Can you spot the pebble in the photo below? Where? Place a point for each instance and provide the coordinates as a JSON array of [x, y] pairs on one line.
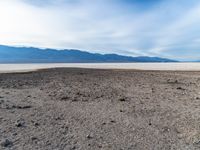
[[1, 101], [20, 123], [123, 99], [180, 88], [64, 98], [121, 110], [36, 124], [34, 138], [113, 121], [7, 143], [24, 107], [89, 136]]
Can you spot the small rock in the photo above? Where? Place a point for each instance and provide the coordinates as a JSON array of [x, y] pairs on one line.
[[113, 121], [73, 148], [123, 99], [100, 146], [75, 99], [103, 123], [1, 101], [171, 81], [166, 129], [64, 98], [23, 107], [89, 136], [34, 138], [20, 123], [14, 134], [196, 141], [180, 88], [58, 118], [36, 124], [7, 143]]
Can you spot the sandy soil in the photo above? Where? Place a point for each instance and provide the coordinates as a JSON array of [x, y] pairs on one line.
[[86, 109]]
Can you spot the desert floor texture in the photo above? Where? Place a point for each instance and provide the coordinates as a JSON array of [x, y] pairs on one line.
[[91, 109]]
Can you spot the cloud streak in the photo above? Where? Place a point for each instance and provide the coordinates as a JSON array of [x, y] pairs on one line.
[[162, 28]]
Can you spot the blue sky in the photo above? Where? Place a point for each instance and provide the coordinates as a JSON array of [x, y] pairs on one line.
[[164, 28]]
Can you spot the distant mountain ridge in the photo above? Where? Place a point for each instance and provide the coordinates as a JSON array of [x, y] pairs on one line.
[[10, 54]]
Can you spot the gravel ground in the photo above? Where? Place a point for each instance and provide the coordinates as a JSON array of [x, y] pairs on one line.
[[89, 109]]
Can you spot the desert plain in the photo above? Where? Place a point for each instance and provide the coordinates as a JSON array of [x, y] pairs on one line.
[[91, 109]]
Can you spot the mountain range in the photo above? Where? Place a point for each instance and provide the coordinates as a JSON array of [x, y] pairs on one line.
[[9, 54]]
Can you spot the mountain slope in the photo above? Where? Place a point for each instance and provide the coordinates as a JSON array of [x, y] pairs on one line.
[[10, 54]]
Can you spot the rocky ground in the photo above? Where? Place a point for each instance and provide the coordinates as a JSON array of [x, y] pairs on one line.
[[87, 109]]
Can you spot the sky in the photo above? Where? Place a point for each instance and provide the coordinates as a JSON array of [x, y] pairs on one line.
[[163, 28]]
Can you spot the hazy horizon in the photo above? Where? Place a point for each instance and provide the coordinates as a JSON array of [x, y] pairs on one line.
[[10, 68]]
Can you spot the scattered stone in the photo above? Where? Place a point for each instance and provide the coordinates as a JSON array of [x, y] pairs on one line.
[[14, 134], [64, 98], [113, 121], [1, 101], [198, 98], [74, 99], [180, 88], [23, 107], [1, 97], [166, 129], [36, 124], [89, 136], [17, 107], [196, 141], [121, 110], [58, 118], [172, 82], [73, 148], [123, 99], [100, 146], [34, 138], [79, 93], [7, 143], [103, 123], [20, 123]]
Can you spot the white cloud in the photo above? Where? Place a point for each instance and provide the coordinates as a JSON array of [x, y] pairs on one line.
[[103, 26]]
